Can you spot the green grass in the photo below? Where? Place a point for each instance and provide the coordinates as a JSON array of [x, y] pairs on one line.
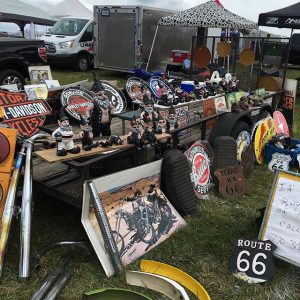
[[202, 248]]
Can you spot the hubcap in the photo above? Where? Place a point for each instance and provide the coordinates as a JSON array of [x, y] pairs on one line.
[[13, 80], [83, 64]]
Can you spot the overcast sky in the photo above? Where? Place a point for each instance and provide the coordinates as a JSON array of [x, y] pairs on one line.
[[249, 9]]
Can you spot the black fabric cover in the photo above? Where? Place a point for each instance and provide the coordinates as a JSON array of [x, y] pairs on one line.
[[287, 17], [176, 182]]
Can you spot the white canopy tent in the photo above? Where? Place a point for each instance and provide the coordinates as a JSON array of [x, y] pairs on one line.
[[210, 14], [71, 8], [22, 13]]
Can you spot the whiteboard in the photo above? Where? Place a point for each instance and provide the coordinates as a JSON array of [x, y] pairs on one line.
[[281, 222]]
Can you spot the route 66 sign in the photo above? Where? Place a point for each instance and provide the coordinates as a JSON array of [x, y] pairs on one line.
[[252, 260], [232, 182], [279, 161]]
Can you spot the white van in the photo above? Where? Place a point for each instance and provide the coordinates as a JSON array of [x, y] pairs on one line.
[[70, 43]]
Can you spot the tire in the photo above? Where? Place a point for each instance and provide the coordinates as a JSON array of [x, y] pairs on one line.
[[238, 128], [176, 182], [263, 114], [82, 63], [10, 76]]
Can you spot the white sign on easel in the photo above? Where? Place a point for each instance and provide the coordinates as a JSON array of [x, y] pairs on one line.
[[281, 222]]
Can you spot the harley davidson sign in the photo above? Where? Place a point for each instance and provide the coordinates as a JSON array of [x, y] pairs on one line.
[[23, 114]]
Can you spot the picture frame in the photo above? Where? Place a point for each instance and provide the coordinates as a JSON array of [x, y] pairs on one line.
[[38, 74]]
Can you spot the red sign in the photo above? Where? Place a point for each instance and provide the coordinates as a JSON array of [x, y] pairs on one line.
[[281, 125], [23, 114], [209, 109]]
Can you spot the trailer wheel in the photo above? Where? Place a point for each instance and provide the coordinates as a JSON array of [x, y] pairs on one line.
[[9, 76], [82, 63], [238, 128], [263, 114]]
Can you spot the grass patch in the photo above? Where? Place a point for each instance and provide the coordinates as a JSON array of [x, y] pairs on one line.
[[202, 248]]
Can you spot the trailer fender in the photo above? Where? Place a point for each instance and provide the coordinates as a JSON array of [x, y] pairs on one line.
[[226, 124], [158, 283], [181, 277]]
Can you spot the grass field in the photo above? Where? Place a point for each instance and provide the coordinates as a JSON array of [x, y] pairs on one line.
[[202, 249]]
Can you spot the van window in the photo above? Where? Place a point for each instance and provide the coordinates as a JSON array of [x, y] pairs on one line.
[[88, 34], [68, 26]]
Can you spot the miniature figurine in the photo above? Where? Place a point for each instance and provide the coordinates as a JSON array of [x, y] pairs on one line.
[[148, 113], [160, 125], [100, 111], [135, 134], [149, 130], [112, 140], [171, 122], [86, 135], [64, 138]]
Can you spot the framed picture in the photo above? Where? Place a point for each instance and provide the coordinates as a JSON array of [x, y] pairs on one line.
[[36, 91], [38, 74]]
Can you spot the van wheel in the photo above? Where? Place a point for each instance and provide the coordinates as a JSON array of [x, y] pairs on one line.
[[10, 76], [238, 128], [82, 63]]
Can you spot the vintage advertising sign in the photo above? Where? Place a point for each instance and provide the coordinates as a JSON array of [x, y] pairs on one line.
[[279, 161], [220, 104], [280, 123], [75, 100], [243, 141], [23, 114], [265, 131], [158, 87], [136, 88], [252, 260], [230, 98], [209, 109], [115, 97], [232, 182], [199, 156]]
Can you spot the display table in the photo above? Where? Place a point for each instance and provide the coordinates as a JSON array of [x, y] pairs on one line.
[[50, 156]]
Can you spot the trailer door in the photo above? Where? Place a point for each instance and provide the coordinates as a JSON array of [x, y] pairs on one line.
[[117, 39]]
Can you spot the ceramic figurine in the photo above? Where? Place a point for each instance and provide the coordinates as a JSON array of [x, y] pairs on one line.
[[234, 83], [135, 134], [100, 111], [86, 135], [112, 140], [171, 122], [148, 112], [64, 137], [161, 125]]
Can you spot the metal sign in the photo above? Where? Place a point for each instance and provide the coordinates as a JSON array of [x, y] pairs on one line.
[[158, 87], [243, 141], [75, 100], [199, 158], [232, 182], [23, 114], [252, 260], [115, 97], [136, 88]]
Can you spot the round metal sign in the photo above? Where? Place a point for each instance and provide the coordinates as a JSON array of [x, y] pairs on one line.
[[158, 87], [243, 141], [136, 88], [199, 156], [115, 97], [75, 100]]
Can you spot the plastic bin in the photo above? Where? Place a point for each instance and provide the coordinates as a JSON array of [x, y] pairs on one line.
[[269, 150], [179, 56], [187, 86]]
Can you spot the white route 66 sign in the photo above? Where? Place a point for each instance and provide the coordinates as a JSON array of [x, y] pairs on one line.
[[279, 161]]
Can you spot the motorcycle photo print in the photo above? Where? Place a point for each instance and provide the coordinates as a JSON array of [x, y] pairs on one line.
[[139, 214]]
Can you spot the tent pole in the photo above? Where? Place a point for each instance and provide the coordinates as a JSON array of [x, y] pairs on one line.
[[287, 59], [251, 71], [154, 38]]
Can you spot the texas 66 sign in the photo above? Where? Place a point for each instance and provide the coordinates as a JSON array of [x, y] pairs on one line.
[[252, 260]]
